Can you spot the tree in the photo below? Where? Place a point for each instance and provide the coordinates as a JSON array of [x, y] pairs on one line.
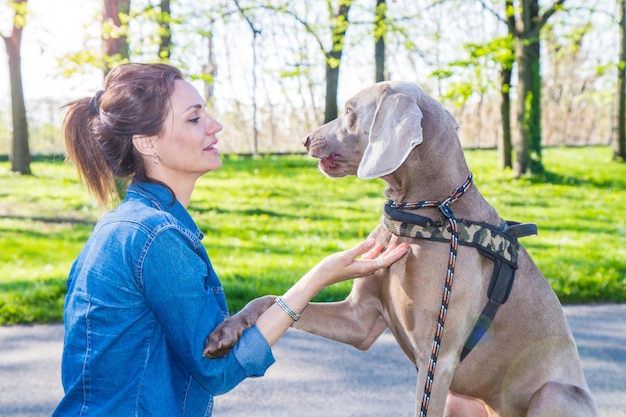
[[20, 160], [505, 145], [255, 33], [165, 31], [339, 26], [115, 32], [619, 139], [525, 22], [380, 29]]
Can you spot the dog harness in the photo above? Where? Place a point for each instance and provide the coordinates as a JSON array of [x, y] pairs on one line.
[[496, 243]]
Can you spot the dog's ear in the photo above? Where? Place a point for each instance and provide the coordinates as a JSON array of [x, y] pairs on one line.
[[396, 129]]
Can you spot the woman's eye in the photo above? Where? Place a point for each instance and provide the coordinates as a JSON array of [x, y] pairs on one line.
[[194, 120]]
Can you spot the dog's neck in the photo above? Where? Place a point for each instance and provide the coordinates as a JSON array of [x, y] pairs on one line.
[[417, 181]]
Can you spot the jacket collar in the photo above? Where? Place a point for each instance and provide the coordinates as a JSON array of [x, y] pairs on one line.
[[163, 199]]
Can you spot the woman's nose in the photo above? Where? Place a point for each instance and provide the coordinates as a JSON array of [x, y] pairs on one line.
[[213, 126]]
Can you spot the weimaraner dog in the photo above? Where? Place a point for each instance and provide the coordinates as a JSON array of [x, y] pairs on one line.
[[465, 265]]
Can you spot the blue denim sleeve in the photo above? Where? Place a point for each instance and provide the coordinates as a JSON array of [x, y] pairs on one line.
[[183, 301]]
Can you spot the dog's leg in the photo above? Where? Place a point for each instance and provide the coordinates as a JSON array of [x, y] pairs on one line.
[[562, 400], [343, 323], [228, 332], [461, 406], [438, 397]]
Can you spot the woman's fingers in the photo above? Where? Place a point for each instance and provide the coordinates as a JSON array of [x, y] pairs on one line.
[[373, 252], [364, 248], [362, 260], [373, 260], [376, 248], [392, 254]]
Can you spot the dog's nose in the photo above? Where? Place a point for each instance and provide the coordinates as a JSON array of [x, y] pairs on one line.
[[306, 142]]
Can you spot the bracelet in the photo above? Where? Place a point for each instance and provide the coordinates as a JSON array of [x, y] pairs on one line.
[[282, 304]]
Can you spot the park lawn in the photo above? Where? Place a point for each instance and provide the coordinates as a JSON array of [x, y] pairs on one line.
[[267, 220]]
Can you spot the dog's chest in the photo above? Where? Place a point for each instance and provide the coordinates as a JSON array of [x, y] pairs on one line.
[[412, 291]]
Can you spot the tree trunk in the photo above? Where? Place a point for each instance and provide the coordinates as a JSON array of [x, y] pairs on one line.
[[523, 103], [339, 26], [380, 29], [20, 158], [255, 110], [528, 146], [115, 45], [504, 146], [534, 112], [619, 138], [528, 53], [332, 85], [165, 31], [209, 72]]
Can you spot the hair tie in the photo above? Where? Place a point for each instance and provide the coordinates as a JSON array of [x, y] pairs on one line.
[[94, 103]]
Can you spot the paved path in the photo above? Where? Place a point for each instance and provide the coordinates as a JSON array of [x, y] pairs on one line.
[[313, 376]]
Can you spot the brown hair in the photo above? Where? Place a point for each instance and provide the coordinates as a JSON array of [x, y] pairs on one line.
[[99, 130]]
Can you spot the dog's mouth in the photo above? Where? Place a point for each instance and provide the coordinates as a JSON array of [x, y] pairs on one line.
[[329, 162], [316, 149]]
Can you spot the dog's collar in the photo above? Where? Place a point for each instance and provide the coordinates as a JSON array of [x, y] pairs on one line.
[[443, 206]]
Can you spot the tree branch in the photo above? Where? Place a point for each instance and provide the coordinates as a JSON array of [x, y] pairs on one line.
[[557, 5]]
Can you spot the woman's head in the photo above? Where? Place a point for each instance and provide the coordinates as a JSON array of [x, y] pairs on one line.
[[99, 131]]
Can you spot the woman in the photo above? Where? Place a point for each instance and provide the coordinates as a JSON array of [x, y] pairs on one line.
[[142, 294]]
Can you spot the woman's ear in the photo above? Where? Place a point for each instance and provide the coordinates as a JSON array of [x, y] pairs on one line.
[[145, 145]]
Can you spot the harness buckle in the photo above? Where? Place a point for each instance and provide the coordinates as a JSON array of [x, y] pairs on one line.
[[446, 210]]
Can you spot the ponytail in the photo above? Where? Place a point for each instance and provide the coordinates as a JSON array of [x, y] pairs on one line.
[[84, 152]]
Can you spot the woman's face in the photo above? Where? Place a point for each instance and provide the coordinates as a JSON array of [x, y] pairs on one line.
[[187, 147]]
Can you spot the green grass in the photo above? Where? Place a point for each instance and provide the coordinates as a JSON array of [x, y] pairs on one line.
[[268, 220]]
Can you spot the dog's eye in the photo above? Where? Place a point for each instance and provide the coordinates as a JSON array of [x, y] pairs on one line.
[[350, 118]]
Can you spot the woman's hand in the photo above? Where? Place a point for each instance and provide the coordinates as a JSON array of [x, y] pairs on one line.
[[360, 261]]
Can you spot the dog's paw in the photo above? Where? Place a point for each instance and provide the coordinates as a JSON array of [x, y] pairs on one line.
[[227, 333]]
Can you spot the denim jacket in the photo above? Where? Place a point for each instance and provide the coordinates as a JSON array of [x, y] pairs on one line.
[[142, 297]]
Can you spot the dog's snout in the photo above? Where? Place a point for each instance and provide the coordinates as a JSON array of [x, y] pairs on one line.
[[307, 142]]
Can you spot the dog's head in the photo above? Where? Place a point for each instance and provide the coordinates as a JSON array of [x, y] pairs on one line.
[[379, 129]]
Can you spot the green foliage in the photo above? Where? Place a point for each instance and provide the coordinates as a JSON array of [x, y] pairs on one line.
[[21, 13], [268, 220], [475, 72]]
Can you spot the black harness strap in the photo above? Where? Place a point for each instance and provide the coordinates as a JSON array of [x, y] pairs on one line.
[[499, 286], [496, 243]]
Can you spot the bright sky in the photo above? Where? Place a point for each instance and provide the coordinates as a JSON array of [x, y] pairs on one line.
[[53, 29]]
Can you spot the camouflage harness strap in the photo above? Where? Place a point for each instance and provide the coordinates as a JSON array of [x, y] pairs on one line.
[[496, 243]]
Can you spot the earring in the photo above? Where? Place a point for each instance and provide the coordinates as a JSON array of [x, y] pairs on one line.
[[155, 158]]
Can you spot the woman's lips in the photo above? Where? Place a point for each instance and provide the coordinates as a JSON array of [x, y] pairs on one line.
[[211, 147]]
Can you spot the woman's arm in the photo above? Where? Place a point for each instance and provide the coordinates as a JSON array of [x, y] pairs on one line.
[[341, 266]]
